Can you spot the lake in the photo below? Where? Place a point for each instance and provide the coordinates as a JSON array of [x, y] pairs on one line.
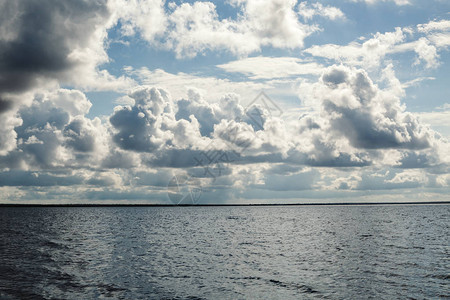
[[232, 252]]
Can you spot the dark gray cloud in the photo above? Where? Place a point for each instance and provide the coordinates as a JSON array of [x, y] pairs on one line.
[[118, 159], [157, 179], [142, 127], [38, 132], [416, 160], [38, 38], [335, 77], [135, 129], [29, 178], [4, 105], [175, 158], [362, 130], [77, 137]]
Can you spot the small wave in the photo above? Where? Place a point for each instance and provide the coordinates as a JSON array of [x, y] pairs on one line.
[[303, 288], [245, 278], [366, 235], [439, 276]]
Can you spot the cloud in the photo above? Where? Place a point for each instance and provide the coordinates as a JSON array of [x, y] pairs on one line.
[[367, 54], [351, 133], [211, 87], [262, 67], [275, 23], [26, 178], [271, 155], [83, 135], [440, 120], [303, 180], [318, 9], [200, 109], [190, 29], [43, 40], [373, 2], [44, 44], [404, 179], [140, 127], [120, 159], [368, 117], [197, 28], [146, 16], [53, 132], [442, 25], [426, 42]]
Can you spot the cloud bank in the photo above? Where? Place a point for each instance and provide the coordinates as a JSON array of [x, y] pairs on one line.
[[350, 132]]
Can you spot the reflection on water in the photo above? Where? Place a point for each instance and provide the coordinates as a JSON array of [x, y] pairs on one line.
[[331, 252]]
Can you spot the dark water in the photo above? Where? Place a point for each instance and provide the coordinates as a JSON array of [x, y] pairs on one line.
[[330, 252]]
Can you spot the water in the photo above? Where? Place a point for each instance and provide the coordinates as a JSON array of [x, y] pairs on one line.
[[316, 252]]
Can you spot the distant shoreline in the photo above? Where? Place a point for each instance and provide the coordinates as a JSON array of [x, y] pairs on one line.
[[221, 205]]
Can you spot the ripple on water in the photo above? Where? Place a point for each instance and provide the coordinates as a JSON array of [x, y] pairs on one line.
[[224, 252]]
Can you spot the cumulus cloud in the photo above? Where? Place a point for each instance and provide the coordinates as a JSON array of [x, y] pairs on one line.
[[193, 28], [147, 16], [140, 127], [275, 23], [368, 117], [442, 25], [8, 121], [54, 132], [44, 44], [368, 53], [426, 42], [354, 125], [51, 41]]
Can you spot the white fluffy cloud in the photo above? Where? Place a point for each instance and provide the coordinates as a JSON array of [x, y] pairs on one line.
[[368, 53], [426, 42], [150, 124], [147, 16], [318, 9], [190, 29], [160, 134], [443, 25], [53, 132], [368, 117], [8, 122]]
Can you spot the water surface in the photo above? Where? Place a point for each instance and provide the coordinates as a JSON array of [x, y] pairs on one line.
[[281, 252]]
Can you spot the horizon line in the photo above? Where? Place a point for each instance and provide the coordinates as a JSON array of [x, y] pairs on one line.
[[218, 205]]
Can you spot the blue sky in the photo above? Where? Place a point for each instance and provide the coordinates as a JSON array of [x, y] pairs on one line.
[[126, 101]]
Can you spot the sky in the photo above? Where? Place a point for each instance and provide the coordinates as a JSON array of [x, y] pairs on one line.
[[236, 101]]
